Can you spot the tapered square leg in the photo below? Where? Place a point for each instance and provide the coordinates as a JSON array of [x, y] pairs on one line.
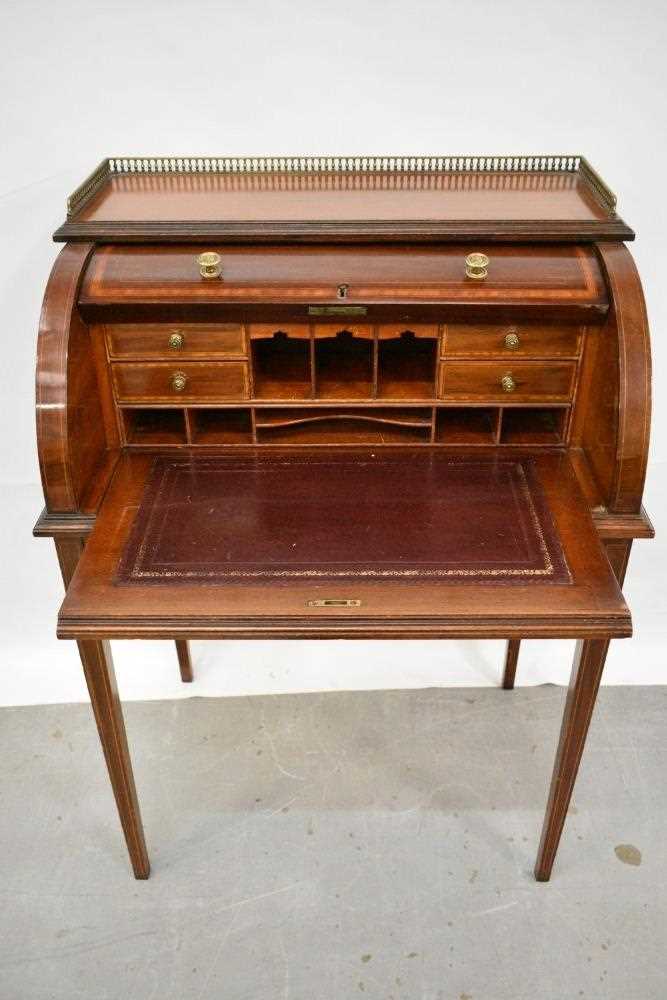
[[101, 681], [584, 684], [511, 658], [184, 660]]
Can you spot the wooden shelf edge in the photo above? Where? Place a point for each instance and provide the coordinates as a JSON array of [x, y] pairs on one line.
[[509, 231], [50, 524], [619, 526]]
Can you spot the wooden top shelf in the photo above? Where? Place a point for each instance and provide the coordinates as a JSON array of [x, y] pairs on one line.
[[384, 198]]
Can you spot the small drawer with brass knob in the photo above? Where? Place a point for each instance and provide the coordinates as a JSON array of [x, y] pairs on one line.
[[192, 341], [526, 340], [526, 381], [161, 382]]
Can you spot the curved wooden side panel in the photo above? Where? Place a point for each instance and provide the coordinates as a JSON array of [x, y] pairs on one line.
[[70, 430], [634, 358], [612, 424]]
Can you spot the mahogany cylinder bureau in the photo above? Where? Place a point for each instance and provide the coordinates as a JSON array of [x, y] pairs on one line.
[[349, 397]]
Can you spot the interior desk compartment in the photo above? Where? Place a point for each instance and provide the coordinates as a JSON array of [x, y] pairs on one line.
[[344, 362], [322, 425], [281, 361], [220, 426], [467, 425], [407, 359], [529, 426], [153, 427]]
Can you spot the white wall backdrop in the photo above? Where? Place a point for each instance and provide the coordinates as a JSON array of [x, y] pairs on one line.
[[83, 80]]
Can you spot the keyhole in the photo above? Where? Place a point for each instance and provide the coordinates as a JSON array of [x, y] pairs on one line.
[[341, 291]]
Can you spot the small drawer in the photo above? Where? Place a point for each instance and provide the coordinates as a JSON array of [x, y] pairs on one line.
[[518, 382], [175, 340], [186, 383], [523, 340]]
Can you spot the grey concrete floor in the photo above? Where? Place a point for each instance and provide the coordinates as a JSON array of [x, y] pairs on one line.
[[329, 846]]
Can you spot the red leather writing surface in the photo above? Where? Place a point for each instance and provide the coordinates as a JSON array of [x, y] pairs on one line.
[[421, 515]]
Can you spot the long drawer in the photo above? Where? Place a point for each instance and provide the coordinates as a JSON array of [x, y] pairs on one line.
[[191, 382], [511, 381], [524, 340], [559, 278], [175, 340]]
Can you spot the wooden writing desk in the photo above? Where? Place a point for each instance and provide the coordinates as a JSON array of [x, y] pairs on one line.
[[343, 398]]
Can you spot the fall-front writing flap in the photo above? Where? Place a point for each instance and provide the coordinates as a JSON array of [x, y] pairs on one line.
[[421, 543]]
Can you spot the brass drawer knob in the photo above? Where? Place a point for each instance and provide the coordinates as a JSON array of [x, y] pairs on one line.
[[176, 340], [508, 383], [511, 340], [209, 264], [477, 266], [178, 381]]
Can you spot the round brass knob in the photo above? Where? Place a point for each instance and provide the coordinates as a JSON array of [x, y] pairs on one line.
[[477, 266], [178, 381], [511, 340], [508, 383], [209, 264], [176, 340]]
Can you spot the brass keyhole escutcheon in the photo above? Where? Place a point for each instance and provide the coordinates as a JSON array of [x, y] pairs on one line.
[[477, 266], [341, 291], [176, 340], [511, 340], [178, 381], [508, 383], [209, 264]]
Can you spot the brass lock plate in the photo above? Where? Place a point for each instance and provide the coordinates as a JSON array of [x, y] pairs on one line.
[[337, 310], [333, 602]]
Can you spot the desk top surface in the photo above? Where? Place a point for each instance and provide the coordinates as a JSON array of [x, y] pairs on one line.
[[344, 543], [336, 518], [429, 198]]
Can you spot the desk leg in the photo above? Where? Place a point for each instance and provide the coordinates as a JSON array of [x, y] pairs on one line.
[[584, 683], [184, 660], [511, 658], [101, 680]]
